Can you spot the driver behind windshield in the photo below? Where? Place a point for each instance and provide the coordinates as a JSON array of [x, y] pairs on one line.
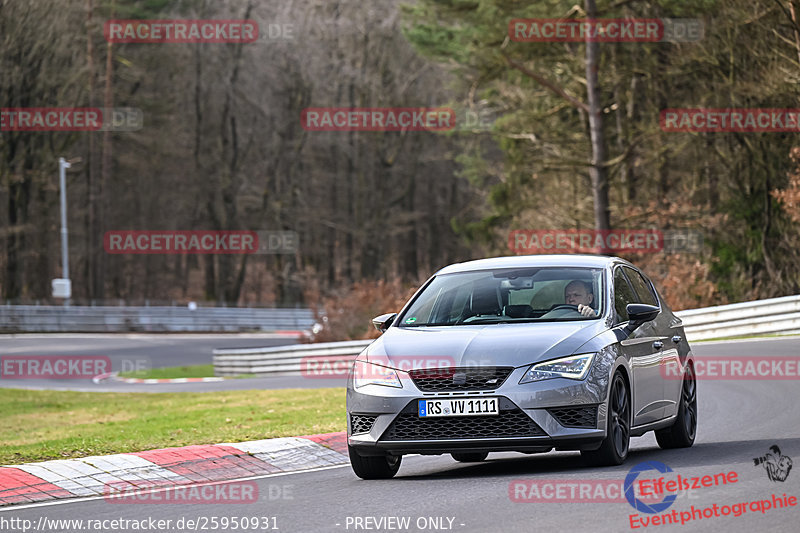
[[580, 293]]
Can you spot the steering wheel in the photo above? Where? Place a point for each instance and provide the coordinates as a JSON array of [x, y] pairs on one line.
[[564, 306]]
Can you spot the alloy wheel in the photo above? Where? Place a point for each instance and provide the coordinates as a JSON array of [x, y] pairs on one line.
[[620, 416]]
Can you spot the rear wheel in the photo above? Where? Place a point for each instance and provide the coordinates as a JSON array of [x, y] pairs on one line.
[[374, 467], [681, 434], [614, 448], [470, 457]]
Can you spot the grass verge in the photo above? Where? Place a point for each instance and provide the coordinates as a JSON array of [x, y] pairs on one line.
[[192, 371], [43, 425]]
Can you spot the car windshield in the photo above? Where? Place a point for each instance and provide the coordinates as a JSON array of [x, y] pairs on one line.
[[508, 295]]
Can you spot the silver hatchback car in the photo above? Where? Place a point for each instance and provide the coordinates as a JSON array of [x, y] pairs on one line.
[[525, 354]]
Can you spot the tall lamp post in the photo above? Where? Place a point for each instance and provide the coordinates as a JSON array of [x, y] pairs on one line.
[[62, 287]]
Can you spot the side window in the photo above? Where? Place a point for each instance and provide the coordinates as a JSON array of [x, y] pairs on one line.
[[623, 295], [642, 288]]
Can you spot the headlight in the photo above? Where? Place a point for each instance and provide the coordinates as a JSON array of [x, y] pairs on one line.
[[365, 373], [573, 367]]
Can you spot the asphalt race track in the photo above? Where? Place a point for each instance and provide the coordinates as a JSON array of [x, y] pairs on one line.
[[160, 350], [131, 351], [738, 421]]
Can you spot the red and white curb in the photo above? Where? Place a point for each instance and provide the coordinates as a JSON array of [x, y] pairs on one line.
[[112, 376], [168, 467]]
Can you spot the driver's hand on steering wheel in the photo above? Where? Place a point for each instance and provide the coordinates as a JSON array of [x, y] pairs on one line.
[[585, 310]]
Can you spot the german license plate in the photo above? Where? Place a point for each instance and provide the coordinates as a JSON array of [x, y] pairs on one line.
[[458, 407]]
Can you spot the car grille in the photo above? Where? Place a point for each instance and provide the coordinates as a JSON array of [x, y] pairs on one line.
[[584, 416], [361, 423], [460, 378], [509, 423]]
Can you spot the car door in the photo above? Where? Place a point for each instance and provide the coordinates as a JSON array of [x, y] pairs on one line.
[[663, 330], [643, 350]]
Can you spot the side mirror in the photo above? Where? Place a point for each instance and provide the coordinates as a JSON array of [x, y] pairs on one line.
[[638, 314], [383, 322]]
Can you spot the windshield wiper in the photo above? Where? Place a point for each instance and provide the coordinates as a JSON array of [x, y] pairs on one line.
[[488, 321], [417, 325]]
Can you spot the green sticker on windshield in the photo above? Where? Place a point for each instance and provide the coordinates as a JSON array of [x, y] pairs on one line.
[[411, 320]]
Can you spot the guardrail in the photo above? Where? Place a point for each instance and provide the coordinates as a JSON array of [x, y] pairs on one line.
[[105, 319], [284, 360], [762, 317]]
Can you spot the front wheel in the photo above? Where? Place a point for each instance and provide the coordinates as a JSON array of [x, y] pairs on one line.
[[377, 467], [681, 434], [614, 448]]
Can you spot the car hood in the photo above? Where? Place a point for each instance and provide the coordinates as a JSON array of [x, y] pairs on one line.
[[481, 345]]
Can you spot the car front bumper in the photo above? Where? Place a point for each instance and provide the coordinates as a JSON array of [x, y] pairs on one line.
[[385, 409]]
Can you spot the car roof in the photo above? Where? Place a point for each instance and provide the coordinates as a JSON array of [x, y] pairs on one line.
[[519, 261]]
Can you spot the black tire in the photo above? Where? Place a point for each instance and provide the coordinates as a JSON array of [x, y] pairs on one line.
[[374, 467], [614, 448], [681, 434], [470, 457]]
